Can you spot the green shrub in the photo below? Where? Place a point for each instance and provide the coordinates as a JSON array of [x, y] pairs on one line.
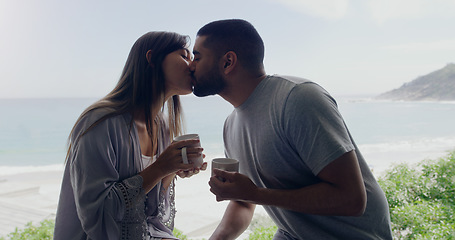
[[262, 227], [261, 233], [46, 231], [31, 232], [179, 234], [421, 199]]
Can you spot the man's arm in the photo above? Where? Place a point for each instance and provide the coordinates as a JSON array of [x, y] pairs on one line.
[[236, 220], [341, 191]]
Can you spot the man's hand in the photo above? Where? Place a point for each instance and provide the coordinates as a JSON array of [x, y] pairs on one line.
[[232, 186]]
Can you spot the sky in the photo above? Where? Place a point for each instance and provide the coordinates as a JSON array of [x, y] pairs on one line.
[[56, 48]]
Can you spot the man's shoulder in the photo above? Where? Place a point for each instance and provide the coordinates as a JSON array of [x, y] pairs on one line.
[[292, 83], [290, 79], [296, 87]]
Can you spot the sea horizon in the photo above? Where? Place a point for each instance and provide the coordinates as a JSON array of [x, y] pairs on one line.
[[34, 138]]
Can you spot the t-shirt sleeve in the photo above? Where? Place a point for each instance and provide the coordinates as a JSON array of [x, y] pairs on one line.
[[314, 126]]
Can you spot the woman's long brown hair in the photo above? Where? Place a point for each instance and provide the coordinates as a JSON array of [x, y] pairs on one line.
[[141, 85]]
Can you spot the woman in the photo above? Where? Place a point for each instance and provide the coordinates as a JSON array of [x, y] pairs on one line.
[[121, 165]]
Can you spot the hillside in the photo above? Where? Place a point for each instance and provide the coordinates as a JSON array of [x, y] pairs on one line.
[[435, 86]]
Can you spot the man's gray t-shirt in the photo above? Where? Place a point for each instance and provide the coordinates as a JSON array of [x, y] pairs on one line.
[[284, 134]]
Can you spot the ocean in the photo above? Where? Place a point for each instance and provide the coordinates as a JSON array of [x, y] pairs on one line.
[[34, 132]]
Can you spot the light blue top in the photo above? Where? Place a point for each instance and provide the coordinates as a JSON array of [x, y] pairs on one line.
[[285, 133], [101, 195]]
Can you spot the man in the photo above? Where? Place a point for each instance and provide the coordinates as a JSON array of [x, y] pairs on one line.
[[296, 155]]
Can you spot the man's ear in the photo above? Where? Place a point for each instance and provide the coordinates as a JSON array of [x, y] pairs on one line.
[[229, 62], [148, 55]]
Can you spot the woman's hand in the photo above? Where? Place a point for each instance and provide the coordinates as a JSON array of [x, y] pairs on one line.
[[193, 171], [171, 161]]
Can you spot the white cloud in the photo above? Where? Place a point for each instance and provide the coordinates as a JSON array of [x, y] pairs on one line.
[[330, 9], [385, 10], [440, 45]]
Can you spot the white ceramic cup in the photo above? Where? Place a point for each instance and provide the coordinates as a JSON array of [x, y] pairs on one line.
[[197, 161], [226, 164]]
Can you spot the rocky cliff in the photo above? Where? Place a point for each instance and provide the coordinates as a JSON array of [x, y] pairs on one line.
[[435, 86]]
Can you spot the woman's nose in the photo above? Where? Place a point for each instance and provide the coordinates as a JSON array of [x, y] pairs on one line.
[[192, 66]]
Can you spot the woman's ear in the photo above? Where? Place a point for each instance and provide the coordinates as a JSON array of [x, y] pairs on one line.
[[148, 55], [229, 62]]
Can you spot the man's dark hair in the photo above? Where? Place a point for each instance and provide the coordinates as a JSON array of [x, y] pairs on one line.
[[235, 35]]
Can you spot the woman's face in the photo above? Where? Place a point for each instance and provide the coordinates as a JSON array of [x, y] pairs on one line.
[[177, 74]]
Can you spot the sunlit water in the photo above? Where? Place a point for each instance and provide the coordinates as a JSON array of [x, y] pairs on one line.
[[33, 132]]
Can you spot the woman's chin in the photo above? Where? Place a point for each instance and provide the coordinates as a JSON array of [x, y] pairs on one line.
[[186, 92]]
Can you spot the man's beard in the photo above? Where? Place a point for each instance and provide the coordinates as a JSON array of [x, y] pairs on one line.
[[210, 84]]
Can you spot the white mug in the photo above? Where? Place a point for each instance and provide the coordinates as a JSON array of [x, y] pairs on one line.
[[197, 162], [226, 164]]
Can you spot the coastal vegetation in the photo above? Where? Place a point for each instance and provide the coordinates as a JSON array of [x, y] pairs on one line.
[[421, 200], [43, 231]]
